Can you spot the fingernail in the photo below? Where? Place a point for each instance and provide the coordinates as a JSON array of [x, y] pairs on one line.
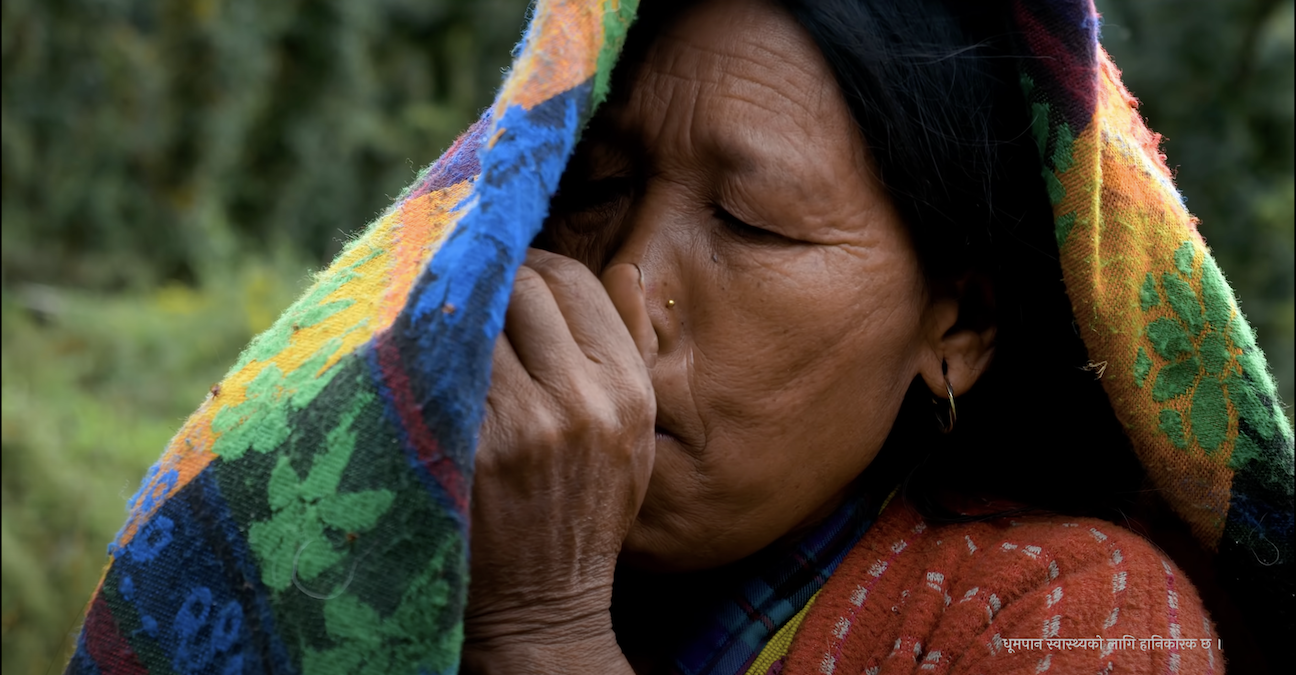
[[641, 276]]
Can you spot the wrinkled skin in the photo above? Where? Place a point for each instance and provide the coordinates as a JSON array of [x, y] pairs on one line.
[[716, 345]]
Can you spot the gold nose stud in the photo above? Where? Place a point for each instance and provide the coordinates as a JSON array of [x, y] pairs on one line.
[[670, 303]]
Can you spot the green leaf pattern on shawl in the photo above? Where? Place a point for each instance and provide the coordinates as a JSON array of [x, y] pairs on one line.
[[1206, 351], [335, 520], [292, 541], [1058, 134], [260, 423], [380, 644]]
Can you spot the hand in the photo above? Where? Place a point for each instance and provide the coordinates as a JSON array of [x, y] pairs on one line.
[[564, 458]]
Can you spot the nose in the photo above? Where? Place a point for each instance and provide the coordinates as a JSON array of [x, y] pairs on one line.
[[625, 287], [647, 245]]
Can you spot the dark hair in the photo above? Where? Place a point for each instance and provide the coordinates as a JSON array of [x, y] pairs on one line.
[[938, 101], [935, 88]]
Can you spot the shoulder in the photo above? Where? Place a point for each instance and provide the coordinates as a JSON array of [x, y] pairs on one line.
[[955, 594]]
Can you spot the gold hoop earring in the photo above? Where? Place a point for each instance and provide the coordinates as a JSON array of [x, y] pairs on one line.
[[946, 426]]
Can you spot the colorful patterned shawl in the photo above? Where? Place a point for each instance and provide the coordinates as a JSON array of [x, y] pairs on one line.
[[311, 515]]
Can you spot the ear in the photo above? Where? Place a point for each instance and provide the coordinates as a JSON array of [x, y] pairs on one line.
[[961, 335]]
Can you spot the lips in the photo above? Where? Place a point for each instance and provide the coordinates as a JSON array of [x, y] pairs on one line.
[[671, 390]]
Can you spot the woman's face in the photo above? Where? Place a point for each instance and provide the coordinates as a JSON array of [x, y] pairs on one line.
[[790, 311]]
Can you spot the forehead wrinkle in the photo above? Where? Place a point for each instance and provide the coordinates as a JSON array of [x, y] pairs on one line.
[[732, 102], [747, 149], [651, 118], [707, 123], [734, 67]]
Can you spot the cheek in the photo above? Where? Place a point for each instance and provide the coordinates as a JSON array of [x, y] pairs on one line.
[[799, 337], [799, 366]]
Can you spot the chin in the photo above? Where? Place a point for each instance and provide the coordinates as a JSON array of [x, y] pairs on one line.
[[648, 549], [653, 549]]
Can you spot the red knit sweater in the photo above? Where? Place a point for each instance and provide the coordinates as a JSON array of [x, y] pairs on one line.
[[917, 598]]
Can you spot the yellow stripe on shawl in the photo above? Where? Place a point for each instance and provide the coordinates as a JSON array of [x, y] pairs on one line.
[[781, 643]]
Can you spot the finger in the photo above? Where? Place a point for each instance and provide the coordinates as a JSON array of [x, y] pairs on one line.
[[508, 375], [509, 381], [625, 287], [591, 317], [537, 330]]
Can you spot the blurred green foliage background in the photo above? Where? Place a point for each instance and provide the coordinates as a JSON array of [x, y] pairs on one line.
[[173, 169]]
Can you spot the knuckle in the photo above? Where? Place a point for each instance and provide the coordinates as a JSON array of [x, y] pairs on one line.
[[548, 261], [487, 462], [635, 394], [492, 444], [546, 431], [642, 393], [562, 271], [591, 423], [527, 281], [606, 419]]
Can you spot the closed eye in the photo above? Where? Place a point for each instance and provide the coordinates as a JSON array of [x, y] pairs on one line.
[[747, 231]]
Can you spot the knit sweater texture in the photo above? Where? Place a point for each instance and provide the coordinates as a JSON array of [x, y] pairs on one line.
[[913, 597]]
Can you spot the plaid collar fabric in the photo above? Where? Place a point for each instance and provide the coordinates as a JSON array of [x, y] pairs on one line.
[[775, 587]]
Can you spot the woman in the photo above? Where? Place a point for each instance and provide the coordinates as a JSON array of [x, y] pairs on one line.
[[787, 384]]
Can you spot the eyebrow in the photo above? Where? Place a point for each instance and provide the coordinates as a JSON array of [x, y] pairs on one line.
[[626, 145], [735, 157]]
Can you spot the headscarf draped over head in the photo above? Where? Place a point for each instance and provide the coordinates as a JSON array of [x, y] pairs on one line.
[[311, 516]]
